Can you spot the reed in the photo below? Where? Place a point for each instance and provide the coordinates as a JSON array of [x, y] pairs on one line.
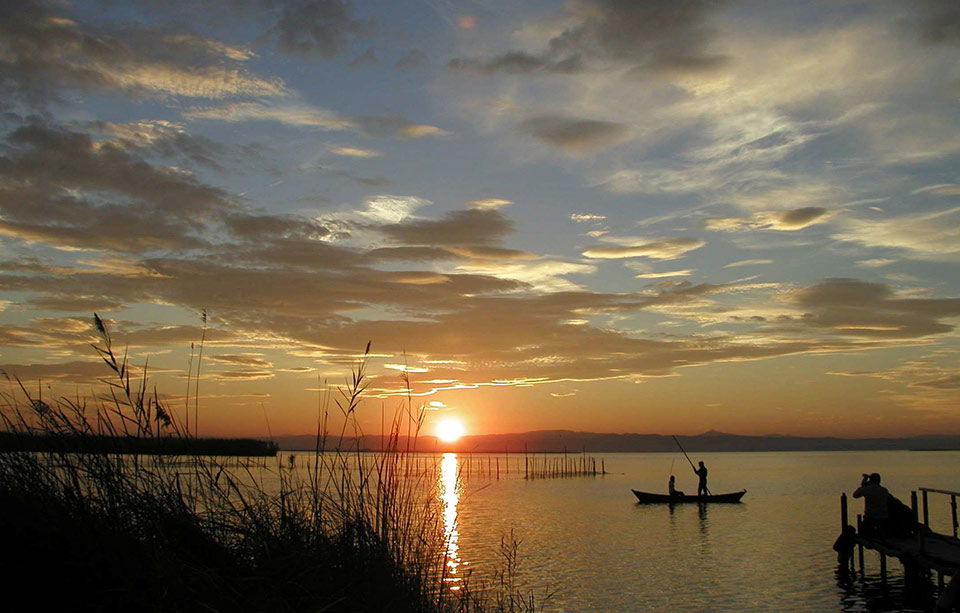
[[110, 531]]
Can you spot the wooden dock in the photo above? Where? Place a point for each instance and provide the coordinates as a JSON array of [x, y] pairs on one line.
[[920, 554]]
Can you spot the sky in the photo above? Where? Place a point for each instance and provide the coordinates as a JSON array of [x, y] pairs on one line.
[[662, 216]]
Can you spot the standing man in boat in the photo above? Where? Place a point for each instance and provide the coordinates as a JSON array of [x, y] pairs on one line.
[[702, 473], [875, 512]]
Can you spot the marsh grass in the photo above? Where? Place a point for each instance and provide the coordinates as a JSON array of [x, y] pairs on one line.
[[102, 531]]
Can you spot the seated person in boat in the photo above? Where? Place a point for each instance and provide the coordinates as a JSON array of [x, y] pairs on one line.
[[672, 487]]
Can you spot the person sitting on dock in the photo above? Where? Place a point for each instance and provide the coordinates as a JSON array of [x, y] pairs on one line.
[[844, 547], [702, 486], [875, 512], [672, 487]]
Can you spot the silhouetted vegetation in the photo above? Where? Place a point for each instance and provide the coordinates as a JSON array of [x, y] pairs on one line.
[[108, 530]]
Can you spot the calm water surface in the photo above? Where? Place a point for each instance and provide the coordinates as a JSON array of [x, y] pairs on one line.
[[587, 541]]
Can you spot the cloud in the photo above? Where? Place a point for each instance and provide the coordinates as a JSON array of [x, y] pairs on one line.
[[357, 152], [795, 219], [161, 139], [860, 308], [247, 359], [470, 323], [573, 135], [747, 129], [284, 112], [368, 58], [305, 115], [255, 226], [939, 21], [390, 209], [360, 179], [654, 37], [74, 372], [322, 27], [784, 221], [923, 236], [949, 382], [412, 60], [463, 227], [243, 375], [491, 253], [750, 115], [45, 53], [664, 249], [399, 254], [490, 203], [56, 187], [586, 217], [418, 278], [876, 263], [664, 275], [517, 63], [740, 263], [941, 189], [540, 274], [395, 127]]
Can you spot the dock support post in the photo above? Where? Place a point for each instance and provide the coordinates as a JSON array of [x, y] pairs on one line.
[[843, 511], [913, 505], [953, 512], [940, 580], [883, 567], [926, 510], [860, 545]]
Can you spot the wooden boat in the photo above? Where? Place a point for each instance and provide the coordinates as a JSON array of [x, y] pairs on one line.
[[649, 498]]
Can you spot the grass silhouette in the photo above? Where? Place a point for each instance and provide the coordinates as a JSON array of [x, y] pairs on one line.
[[108, 531]]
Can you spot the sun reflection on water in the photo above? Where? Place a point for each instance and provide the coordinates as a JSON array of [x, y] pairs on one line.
[[449, 488]]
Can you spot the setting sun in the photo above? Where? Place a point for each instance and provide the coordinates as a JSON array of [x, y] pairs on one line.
[[449, 429]]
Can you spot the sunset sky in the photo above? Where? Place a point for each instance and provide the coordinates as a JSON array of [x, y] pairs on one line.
[[607, 215]]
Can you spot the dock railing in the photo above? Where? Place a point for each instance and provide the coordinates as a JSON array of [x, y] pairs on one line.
[[953, 505]]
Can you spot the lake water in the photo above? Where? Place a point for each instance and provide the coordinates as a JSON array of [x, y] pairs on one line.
[[587, 541]]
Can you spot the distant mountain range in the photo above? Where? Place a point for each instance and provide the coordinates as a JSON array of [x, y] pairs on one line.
[[556, 441]]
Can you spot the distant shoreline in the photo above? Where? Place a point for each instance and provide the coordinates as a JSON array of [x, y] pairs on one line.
[[563, 441], [164, 445]]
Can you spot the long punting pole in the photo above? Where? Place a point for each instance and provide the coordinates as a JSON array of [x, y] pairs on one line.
[[688, 458]]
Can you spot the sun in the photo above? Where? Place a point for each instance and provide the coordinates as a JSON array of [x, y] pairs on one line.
[[449, 429]]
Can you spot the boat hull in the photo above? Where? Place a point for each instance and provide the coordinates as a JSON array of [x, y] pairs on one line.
[[650, 498]]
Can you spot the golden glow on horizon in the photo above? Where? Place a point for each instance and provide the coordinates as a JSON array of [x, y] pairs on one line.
[[449, 429]]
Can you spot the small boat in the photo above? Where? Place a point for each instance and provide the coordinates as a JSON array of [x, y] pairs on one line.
[[648, 498]]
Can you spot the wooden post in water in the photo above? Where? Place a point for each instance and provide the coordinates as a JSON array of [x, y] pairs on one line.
[[843, 525], [953, 512], [860, 545], [843, 511], [913, 505], [883, 568], [926, 511]]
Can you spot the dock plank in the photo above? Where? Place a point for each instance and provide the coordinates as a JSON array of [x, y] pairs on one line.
[[938, 552]]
